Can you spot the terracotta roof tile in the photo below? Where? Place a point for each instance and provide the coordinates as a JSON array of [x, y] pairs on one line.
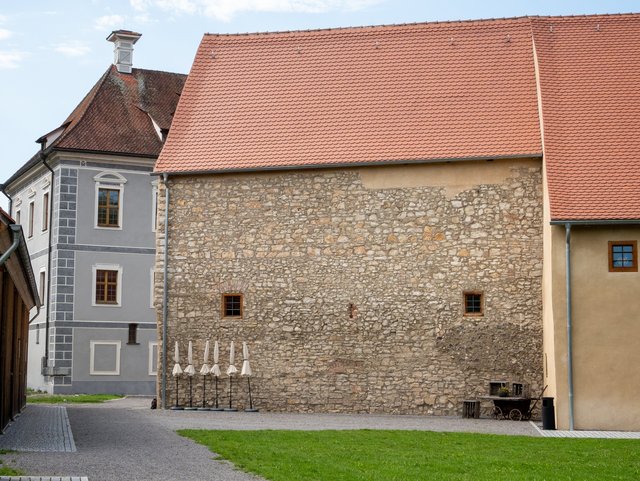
[[356, 96], [590, 90]]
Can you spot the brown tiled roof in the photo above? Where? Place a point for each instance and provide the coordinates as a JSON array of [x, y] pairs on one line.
[[590, 90], [356, 96], [116, 115]]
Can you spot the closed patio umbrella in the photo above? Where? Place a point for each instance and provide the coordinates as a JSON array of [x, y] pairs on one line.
[[205, 370], [231, 370], [177, 371], [246, 372], [190, 371], [215, 370]]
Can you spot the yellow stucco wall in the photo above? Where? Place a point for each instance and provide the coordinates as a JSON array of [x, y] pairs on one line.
[[606, 329]]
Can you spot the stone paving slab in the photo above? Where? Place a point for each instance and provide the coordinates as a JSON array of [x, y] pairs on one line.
[[587, 434], [40, 428], [39, 478]]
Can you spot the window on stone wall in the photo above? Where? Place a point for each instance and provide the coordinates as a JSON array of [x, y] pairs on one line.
[[232, 305], [108, 207], [42, 287], [473, 303], [623, 256]]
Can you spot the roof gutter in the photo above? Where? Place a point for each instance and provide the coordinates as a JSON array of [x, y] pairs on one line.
[[567, 227], [344, 165], [19, 245], [597, 222]]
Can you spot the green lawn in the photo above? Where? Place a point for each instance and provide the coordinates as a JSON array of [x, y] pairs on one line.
[[70, 398], [420, 455]]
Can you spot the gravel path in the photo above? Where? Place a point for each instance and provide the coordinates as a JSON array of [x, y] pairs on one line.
[[125, 440]]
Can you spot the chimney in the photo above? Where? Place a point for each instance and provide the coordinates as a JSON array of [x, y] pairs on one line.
[[123, 48]]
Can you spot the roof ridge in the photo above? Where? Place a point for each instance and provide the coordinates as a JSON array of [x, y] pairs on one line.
[[89, 97], [410, 24], [365, 27]]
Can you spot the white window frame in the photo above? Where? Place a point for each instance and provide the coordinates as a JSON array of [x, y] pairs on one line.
[[44, 222], [112, 181], [153, 367], [154, 205], [42, 292], [32, 219], [153, 284], [106, 267], [92, 370]]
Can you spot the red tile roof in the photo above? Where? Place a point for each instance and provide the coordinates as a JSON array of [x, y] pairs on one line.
[[590, 90], [116, 114], [357, 96]]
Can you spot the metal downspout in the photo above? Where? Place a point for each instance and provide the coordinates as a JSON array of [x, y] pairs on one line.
[[567, 227], [49, 255], [165, 291], [16, 232]]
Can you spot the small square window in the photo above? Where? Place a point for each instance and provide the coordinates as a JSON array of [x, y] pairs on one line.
[[623, 256], [232, 305], [473, 304]]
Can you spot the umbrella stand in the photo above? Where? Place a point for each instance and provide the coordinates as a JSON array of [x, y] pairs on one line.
[[251, 408], [177, 405], [204, 397], [230, 408], [217, 408], [190, 408]]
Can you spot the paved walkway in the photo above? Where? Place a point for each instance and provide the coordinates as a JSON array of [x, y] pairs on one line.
[[125, 440], [40, 428]]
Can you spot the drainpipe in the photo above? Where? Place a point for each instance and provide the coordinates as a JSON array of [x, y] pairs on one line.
[[567, 227], [16, 234], [49, 254], [165, 291]]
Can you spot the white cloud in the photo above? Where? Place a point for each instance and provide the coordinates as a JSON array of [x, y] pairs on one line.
[[11, 59], [5, 34], [72, 49], [108, 22], [225, 10]]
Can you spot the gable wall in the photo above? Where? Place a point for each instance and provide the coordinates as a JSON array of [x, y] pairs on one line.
[[399, 243]]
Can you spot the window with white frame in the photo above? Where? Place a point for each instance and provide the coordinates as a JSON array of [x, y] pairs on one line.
[[45, 211], [107, 285], [152, 273], [154, 205], [153, 358], [32, 214], [104, 358], [109, 200], [42, 286]]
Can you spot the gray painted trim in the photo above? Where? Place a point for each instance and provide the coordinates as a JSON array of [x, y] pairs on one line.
[[99, 325], [104, 165], [93, 248], [597, 222], [41, 253], [344, 165]]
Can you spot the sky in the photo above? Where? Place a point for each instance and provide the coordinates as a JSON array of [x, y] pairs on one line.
[[53, 52]]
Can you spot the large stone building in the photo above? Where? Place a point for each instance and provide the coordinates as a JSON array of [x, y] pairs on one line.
[[87, 202], [381, 214]]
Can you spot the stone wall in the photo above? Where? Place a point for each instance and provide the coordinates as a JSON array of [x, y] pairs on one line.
[[353, 291]]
